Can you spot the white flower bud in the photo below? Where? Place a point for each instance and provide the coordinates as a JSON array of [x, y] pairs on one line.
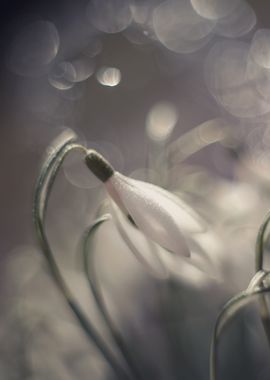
[[160, 215]]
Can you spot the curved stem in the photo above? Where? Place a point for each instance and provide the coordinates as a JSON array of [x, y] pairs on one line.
[[91, 275], [260, 243], [43, 188], [259, 249], [226, 314], [257, 280]]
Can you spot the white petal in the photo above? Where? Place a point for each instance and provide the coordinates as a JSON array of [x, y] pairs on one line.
[[154, 211], [145, 250], [189, 220]]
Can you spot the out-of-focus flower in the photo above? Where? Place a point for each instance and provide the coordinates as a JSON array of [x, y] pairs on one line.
[[161, 216]]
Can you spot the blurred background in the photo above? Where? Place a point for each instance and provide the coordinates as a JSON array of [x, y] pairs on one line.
[[173, 92]]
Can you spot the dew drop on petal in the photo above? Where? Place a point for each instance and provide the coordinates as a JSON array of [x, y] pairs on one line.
[[238, 23], [33, 49], [109, 76], [62, 76], [180, 28], [161, 121], [110, 16], [260, 48], [214, 9]]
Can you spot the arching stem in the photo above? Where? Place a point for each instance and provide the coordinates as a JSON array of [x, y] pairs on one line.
[[259, 261], [229, 310], [91, 275], [44, 186]]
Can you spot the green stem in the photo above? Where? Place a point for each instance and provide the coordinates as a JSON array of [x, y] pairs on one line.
[[260, 244], [226, 314], [44, 185], [259, 261], [91, 275]]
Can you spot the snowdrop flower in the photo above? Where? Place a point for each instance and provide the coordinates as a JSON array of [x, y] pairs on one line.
[[161, 216]]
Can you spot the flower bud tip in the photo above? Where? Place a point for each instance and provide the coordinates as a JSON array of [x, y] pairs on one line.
[[99, 166]]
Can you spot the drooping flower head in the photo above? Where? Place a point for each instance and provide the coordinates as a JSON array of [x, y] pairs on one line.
[[160, 215]]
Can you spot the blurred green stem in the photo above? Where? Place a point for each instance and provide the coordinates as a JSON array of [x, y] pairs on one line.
[[229, 310], [90, 272], [259, 261]]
